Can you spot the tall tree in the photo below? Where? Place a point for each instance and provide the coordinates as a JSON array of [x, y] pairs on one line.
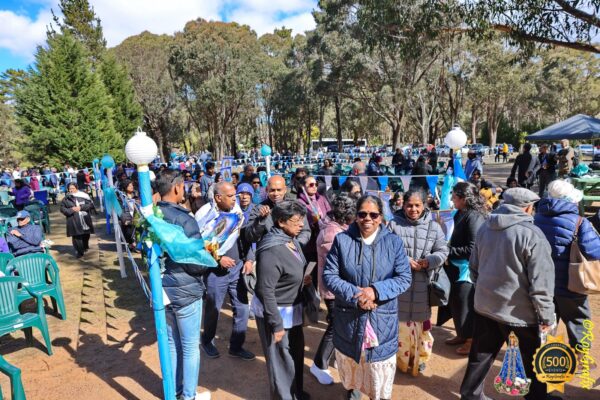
[[81, 21], [63, 108], [215, 68], [146, 56]]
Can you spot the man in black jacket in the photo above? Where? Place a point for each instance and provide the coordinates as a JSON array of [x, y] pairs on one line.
[[260, 221], [183, 287], [547, 171]]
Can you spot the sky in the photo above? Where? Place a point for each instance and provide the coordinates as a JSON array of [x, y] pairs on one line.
[[23, 23]]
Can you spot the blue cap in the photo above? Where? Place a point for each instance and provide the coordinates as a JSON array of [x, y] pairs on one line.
[[23, 214], [245, 188]]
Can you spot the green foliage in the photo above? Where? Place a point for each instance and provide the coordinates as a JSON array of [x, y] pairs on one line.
[[10, 135], [215, 66], [9, 81], [127, 113], [63, 108], [81, 21]]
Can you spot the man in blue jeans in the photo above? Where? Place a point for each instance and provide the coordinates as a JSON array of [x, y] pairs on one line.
[[183, 286], [226, 279]]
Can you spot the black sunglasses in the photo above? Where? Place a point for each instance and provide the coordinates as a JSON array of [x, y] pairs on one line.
[[363, 215], [256, 183], [312, 184]]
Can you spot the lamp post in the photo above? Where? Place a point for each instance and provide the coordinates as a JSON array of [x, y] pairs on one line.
[[108, 163], [266, 151], [141, 150]]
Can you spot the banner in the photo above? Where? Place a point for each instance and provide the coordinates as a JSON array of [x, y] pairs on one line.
[[327, 182], [405, 182], [432, 182], [383, 182]]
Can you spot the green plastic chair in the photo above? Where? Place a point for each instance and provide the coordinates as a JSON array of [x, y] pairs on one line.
[[14, 373], [4, 197], [36, 269], [8, 212], [39, 216], [12, 320], [4, 259]]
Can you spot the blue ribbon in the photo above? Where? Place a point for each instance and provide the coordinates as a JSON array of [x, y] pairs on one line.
[[180, 248], [342, 179], [383, 182], [111, 202], [432, 181]]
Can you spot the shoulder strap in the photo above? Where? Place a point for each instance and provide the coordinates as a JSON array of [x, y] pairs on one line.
[[426, 238], [576, 232]]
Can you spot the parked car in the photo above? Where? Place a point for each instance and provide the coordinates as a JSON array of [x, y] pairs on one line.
[[585, 149]]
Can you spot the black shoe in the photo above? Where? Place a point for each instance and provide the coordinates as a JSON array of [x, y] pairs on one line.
[[243, 354], [210, 350]]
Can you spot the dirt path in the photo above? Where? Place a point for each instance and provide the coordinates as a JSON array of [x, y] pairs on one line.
[[106, 349]]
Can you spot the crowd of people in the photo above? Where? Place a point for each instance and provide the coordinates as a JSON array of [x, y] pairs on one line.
[[373, 276], [506, 260]]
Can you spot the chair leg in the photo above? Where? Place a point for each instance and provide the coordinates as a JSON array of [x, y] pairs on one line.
[[29, 336], [18, 393], [43, 327], [58, 299]]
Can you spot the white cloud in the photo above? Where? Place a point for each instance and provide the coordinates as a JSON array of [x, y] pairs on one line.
[[20, 33]]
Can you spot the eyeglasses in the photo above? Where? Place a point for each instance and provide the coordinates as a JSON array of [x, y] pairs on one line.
[[363, 215], [312, 184], [256, 183]]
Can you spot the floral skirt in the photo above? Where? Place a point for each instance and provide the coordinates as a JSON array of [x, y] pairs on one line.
[[374, 379], [415, 344]]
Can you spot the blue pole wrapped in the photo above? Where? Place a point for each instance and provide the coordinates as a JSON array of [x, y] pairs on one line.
[[158, 306]]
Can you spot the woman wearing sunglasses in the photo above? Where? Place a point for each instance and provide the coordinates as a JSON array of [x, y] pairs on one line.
[[317, 207], [366, 270]]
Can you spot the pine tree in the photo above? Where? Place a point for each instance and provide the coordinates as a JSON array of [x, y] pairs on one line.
[[127, 112], [81, 21], [63, 108]]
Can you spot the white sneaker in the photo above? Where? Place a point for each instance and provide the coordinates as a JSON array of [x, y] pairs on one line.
[[202, 396], [323, 375]]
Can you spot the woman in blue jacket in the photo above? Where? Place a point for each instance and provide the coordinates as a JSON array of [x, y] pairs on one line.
[[557, 216], [367, 269]]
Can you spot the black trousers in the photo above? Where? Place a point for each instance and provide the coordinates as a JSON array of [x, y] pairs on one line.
[[544, 180], [285, 361], [81, 243], [489, 337], [128, 233], [462, 295], [573, 311], [325, 349]]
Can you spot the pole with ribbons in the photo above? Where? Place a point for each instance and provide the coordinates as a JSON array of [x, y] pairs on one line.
[[113, 208], [142, 150]]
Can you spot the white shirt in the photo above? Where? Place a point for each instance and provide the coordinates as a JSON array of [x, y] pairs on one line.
[[370, 239]]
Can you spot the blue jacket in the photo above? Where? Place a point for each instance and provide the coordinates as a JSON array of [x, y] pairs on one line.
[[29, 242], [182, 283], [557, 219], [351, 264]]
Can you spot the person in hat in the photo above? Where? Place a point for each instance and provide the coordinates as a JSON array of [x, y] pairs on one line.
[[25, 238], [225, 279], [558, 217], [512, 269]]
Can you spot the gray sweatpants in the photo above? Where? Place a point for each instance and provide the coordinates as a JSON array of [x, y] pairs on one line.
[[285, 361], [573, 311]]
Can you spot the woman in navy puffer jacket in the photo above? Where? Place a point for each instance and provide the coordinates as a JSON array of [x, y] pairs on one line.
[[557, 216]]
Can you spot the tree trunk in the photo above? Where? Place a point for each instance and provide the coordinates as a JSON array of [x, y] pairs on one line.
[[474, 122], [233, 142], [322, 104], [396, 139], [338, 121]]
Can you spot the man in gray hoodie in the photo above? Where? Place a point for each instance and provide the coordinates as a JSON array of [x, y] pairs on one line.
[[512, 269]]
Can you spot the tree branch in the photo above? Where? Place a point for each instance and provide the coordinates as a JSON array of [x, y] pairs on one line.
[[579, 14]]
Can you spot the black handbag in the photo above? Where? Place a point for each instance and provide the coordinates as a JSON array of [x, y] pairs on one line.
[[439, 284], [439, 289]]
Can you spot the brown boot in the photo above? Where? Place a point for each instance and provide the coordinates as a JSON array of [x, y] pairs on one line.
[[465, 349], [455, 341]]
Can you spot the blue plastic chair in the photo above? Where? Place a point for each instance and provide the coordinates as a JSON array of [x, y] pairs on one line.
[[41, 195], [42, 276], [12, 320]]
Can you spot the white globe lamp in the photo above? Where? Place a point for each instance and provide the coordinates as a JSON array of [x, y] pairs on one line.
[[141, 149], [456, 138]]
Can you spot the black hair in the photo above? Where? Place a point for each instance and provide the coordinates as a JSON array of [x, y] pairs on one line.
[[470, 192], [343, 208], [511, 180], [527, 147], [415, 192], [285, 210], [123, 185], [370, 199], [348, 185], [72, 184], [166, 180], [209, 165]]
